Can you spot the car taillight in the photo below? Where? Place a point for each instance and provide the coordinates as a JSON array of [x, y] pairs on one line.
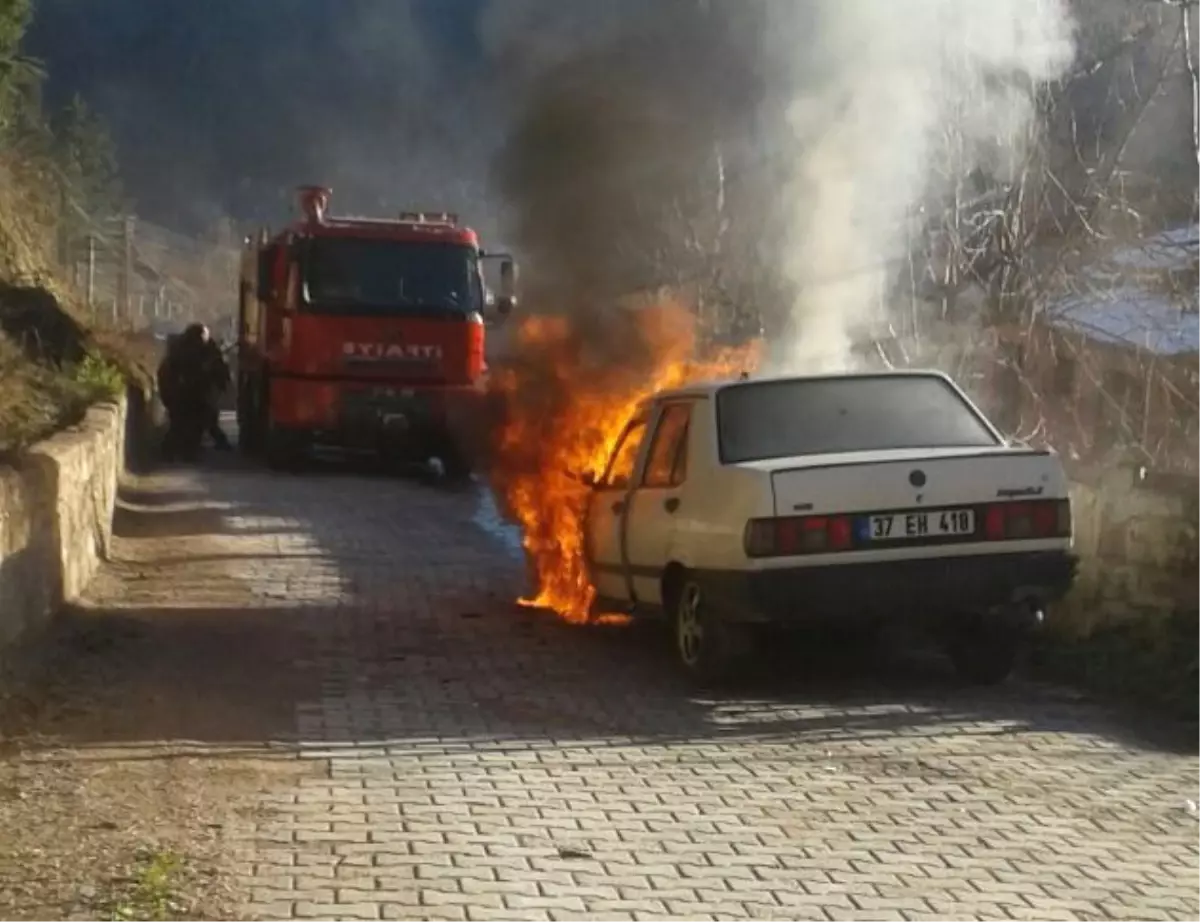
[[787, 537], [1049, 518]]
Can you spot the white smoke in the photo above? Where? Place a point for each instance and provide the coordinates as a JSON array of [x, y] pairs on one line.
[[892, 101]]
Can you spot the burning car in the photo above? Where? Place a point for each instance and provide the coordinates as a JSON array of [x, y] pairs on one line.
[[860, 499]]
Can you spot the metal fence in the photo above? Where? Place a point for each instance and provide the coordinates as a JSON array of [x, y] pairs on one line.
[[133, 274]]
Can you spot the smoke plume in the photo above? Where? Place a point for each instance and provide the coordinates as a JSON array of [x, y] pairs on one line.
[[887, 106], [772, 155], [223, 107]]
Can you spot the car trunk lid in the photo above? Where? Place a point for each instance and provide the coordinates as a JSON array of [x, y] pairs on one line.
[[911, 479]]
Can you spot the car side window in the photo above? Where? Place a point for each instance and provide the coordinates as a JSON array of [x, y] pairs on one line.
[[624, 458], [667, 463]]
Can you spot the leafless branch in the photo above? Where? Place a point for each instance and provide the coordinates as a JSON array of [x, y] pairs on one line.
[[1185, 28]]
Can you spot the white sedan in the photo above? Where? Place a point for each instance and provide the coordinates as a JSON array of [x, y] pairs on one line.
[[857, 499]]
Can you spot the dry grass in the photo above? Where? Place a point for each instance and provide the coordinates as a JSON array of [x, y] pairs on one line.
[[53, 362], [40, 398], [34, 399], [132, 835], [42, 392]]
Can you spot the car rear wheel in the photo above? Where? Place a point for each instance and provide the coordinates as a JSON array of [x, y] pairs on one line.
[[709, 649], [984, 654]]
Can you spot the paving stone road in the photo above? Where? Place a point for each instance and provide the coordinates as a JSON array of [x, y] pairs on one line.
[[478, 761]]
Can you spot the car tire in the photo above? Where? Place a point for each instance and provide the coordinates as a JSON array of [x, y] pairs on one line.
[[710, 649], [984, 654]]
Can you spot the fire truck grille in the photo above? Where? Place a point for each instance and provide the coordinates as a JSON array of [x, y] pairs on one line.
[[377, 402]]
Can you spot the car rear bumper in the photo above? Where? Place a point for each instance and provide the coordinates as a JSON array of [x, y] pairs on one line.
[[1014, 586]]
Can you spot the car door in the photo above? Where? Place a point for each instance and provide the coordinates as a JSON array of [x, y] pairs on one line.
[[654, 506], [605, 520]]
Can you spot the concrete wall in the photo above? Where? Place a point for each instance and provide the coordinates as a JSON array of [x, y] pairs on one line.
[[1136, 535], [56, 510]]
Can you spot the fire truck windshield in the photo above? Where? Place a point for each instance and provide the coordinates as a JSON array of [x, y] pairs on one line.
[[367, 275]]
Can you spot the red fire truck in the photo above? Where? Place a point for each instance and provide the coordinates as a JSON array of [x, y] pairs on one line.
[[364, 334]]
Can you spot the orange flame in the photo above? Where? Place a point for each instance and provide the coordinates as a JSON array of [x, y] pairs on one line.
[[566, 404]]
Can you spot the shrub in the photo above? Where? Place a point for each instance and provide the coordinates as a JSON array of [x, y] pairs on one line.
[[1150, 661], [99, 379]]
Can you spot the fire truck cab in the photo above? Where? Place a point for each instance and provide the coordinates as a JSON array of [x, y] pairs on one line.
[[364, 334]]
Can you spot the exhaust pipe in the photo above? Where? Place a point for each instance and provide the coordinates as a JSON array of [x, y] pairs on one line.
[[314, 202]]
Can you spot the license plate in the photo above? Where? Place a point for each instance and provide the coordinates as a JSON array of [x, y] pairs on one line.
[[934, 523]]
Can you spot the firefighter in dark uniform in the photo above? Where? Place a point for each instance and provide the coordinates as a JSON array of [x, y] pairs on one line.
[[218, 377], [191, 379]]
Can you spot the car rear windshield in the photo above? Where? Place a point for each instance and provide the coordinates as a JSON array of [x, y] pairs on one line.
[[778, 419]]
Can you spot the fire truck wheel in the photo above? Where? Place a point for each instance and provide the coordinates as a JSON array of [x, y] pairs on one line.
[[456, 466], [249, 427], [284, 450]]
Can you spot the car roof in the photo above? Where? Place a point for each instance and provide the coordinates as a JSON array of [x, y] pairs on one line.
[[710, 387]]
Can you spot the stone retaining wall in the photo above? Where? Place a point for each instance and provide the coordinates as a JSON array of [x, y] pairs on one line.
[[56, 511], [1136, 535]]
